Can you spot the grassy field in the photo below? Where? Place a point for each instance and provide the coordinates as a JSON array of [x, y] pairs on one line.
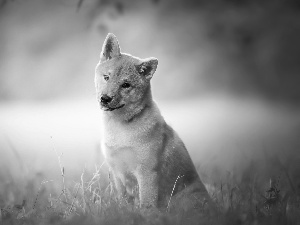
[[91, 200]]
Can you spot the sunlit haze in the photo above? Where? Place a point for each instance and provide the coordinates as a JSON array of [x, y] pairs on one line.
[[227, 81]]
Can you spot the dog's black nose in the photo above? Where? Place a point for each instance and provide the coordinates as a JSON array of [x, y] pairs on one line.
[[105, 99]]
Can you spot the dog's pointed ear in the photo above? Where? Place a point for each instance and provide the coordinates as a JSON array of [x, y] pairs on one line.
[[110, 48], [148, 67]]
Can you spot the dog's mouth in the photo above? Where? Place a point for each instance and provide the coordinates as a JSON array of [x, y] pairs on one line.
[[107, 108]]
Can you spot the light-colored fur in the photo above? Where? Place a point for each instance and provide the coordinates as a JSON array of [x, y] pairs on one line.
[[138, 145]]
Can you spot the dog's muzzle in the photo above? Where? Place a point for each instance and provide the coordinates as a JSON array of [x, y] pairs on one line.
[[104, 101], [106, 108]]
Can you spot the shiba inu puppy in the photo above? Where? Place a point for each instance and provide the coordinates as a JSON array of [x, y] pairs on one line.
[[138, 145]]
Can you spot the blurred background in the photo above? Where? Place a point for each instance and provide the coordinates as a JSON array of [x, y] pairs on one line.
[[227, 81]]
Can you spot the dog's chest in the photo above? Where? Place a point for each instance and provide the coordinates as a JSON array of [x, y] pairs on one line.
[[122, 146], [116, 135], [118, 140], [139, 140]]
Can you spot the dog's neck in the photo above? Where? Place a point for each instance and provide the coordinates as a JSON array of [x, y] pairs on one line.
[[132, 112]]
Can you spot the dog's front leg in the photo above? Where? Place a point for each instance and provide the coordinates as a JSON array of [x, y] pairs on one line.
[[119, 186], [148, 187]]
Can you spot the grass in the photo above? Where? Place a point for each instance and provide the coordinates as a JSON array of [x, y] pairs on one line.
[[91, 200]]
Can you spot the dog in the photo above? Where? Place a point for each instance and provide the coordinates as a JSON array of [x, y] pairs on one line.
[[138, 145]]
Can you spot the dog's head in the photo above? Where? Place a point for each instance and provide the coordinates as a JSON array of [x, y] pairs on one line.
[[122, 81]]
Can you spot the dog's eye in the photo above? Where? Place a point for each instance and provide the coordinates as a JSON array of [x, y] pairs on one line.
[[106, 77], [126, 85]]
